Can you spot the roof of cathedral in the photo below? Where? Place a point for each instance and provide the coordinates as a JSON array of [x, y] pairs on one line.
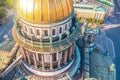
[[101, 67], [44, 11]]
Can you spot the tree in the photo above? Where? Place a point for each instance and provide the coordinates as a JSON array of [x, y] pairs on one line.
[[79, 19], [7, 3], [89, 20], [10, 3], [2, 13], [100, 22], [2, 3]]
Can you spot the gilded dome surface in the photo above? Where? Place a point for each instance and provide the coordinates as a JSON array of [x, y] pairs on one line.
[[44, 11]]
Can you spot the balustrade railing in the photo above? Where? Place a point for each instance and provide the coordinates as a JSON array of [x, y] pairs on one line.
[[45, 44]]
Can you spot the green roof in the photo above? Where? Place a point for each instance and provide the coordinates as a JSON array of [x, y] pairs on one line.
[[7, 45], [102, 8], [106, 2], [23, 78]]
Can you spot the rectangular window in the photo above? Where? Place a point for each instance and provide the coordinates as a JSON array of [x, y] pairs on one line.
[[31, 31], [54, 57], [60, 30], [25, 29], [45, 33], [53, 32], [65, 27], [63, 54], [39, 56], [38, 32]]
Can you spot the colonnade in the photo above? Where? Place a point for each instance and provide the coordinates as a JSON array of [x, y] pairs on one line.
[[49, 61]]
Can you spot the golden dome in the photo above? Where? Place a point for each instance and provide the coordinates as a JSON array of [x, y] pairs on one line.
[[44, 11]]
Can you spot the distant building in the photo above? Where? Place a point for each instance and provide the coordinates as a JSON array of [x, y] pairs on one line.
[[7, 53], [108, 4], [89, 11]]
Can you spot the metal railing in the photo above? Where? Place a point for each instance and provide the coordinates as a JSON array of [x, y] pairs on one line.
[[44, 44]]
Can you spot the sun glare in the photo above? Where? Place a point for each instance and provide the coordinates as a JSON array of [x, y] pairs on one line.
[[26, 5]]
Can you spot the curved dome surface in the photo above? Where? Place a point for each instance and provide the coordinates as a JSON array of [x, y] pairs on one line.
[[44, 11]]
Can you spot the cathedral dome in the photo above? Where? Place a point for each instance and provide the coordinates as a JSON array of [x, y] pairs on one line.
[[44, 11]]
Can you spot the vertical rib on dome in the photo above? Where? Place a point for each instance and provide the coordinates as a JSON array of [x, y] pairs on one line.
[[44, 11]]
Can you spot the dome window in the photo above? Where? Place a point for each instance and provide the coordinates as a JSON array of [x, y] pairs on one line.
[[38, 32], [53, 32], [46, 33], [60, 30], [65, 27], [31, 31]]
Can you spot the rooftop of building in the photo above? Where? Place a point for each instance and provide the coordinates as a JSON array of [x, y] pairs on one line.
[[3, 59], [7, 45], [101, 61], [100, 67], [5, 48], [105, 44], [107, 2], [88, 7]]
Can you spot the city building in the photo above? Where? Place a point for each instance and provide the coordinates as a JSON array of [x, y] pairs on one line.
[[49, 43], [108, 4], [89, 11], [6, 54]]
